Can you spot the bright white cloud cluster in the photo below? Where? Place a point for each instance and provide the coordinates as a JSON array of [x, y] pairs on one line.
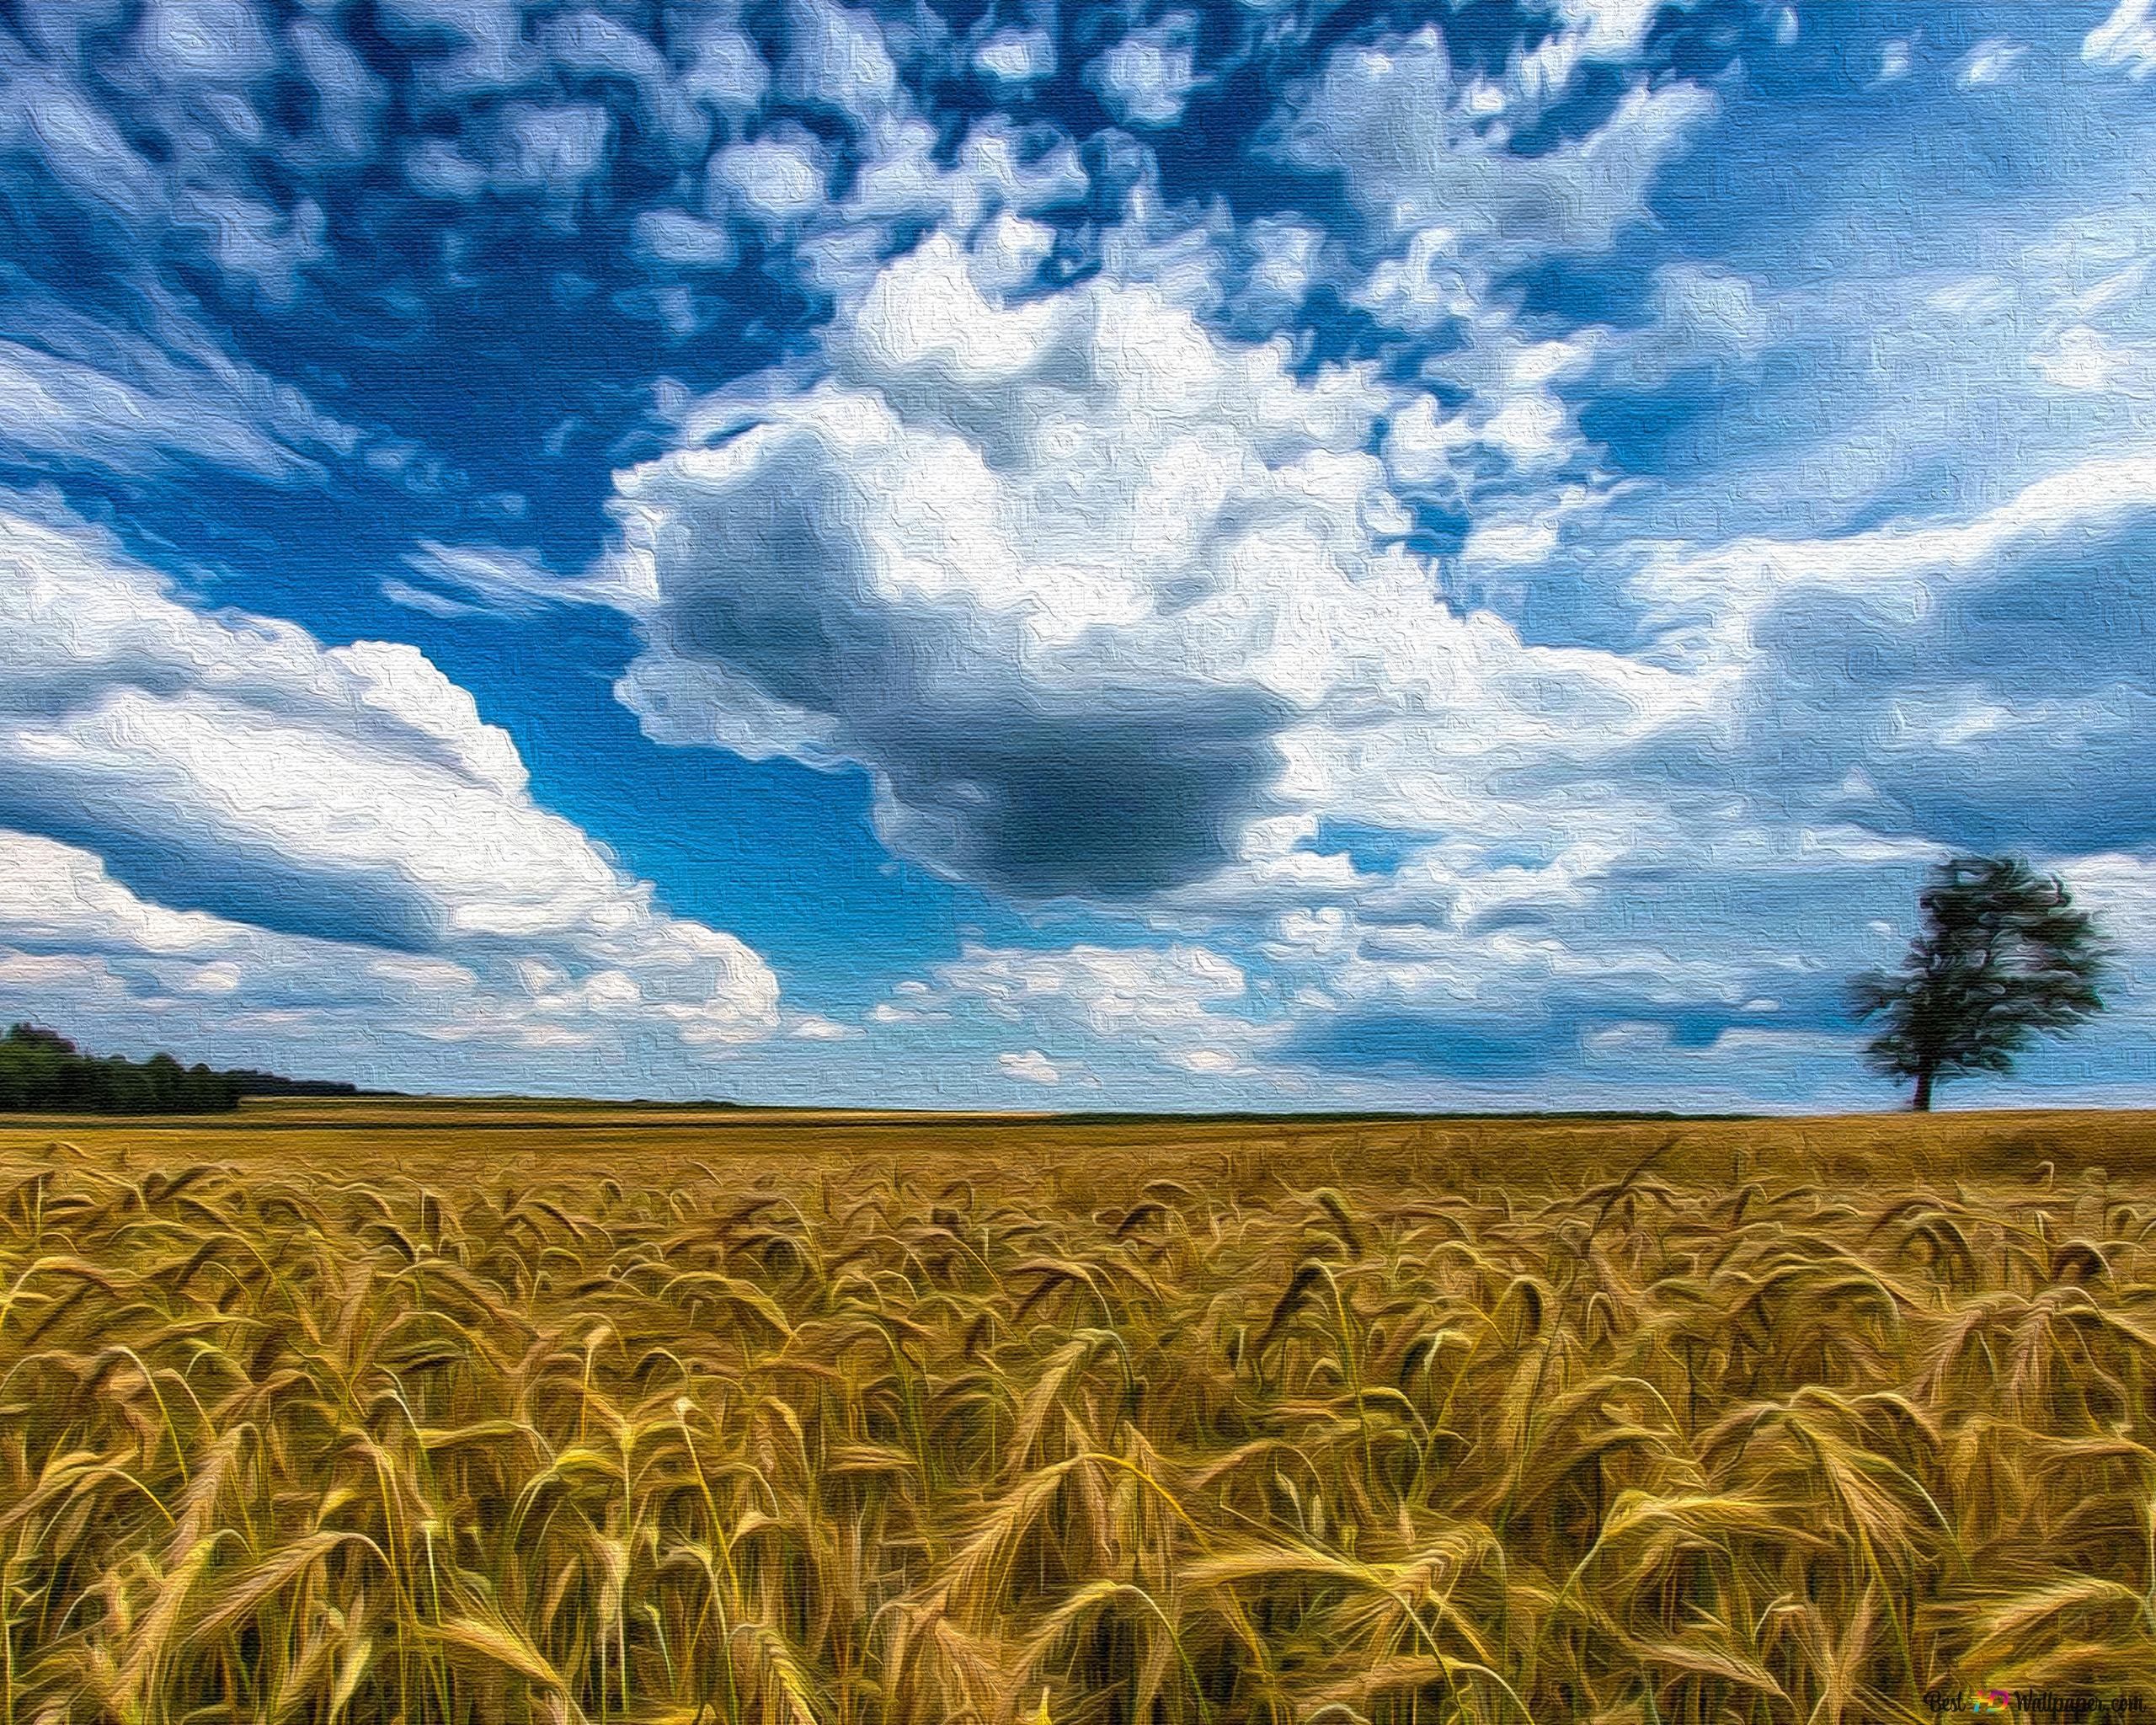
[[1177, 1013], [1451, 206], [1110, 606], [300, 800], [1106, 604]]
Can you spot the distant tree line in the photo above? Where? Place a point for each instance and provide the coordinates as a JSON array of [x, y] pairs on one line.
[[42, 1071]]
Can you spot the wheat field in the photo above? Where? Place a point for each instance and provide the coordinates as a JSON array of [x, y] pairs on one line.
[[374, 1412]]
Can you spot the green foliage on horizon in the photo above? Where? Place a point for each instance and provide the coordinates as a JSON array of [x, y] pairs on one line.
[[42, 1071]]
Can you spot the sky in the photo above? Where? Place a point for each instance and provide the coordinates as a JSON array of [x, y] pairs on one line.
[[1269, 556]]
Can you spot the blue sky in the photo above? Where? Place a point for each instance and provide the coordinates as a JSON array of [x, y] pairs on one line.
[[1259, 555]]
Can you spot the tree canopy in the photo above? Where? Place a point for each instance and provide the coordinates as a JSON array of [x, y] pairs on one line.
[[2003, 957], [43, 1071]]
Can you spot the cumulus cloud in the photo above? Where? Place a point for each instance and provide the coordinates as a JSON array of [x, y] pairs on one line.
[[1015, 58], [777, 180], [1147, 77], [1093, 595], [232, 768], [1031, 1065]]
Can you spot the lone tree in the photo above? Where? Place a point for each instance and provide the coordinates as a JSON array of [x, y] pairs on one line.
[[2003, 955]]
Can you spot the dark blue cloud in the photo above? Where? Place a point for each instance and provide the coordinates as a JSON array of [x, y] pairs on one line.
[[1109, 801]]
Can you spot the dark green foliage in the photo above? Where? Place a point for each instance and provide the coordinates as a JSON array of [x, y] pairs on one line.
[[2002, 958], [254, 1083], [41, 1071]]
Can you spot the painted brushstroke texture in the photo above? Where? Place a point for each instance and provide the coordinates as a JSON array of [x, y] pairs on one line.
[[1242, 555]]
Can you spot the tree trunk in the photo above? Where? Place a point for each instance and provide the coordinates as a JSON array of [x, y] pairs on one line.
[[1922, 1101]]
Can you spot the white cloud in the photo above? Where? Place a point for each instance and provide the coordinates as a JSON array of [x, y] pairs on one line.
[[141, 404], [777, 179], [298, 793], [1899, 573], [1420, 151], [1147, 1018], [1960, 366], [553, 149], [265, 247], [1147, 77], [1208, 1062], [1015, 58], [1499, 541], [1992, 61], [1705, 318], [55, 406], [1286, 255], [2125, 40], [998, 169], [80, 950], [462, 578], [674, 237], [1461, 973], [526, 148], [1091, 592], [427, 600], [2089, 361], [1963, 679], [1425, 152], [219, 39], [838, 57], [723, 69], [1031, 1065], [814, 1027], [1136, 993]]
